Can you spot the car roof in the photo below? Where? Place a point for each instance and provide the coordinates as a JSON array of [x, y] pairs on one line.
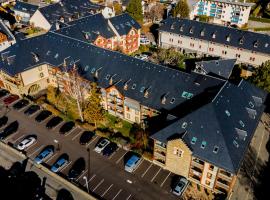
[[133, 159]]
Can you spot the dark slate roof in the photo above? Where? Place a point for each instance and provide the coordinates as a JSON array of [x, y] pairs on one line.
[[4, 29], [221, 67], [68, 9], [123, 23], [25, 7], [249, 39], [93, 26], [53, 48], [221, 129]]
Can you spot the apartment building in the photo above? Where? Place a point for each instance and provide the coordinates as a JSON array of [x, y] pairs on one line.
[[24, 11], [225, 12], [208, 39], [6, 37]]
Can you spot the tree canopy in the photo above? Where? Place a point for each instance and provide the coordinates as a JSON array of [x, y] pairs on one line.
[[181, 9], [134, 8]]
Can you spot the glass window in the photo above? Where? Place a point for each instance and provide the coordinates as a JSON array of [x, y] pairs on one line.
[[193, 141], [203, 145]]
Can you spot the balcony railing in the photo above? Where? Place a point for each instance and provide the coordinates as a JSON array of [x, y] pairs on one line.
[[198, 165], [222, 185], [160, 153], [223, 176]]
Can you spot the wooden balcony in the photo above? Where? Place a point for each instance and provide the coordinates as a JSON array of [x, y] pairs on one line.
[[222, 185], [196, 164], [225, 177]]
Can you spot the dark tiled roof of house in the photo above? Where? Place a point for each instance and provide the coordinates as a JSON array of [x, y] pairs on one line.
[[123, 23], [232, 118], [4, 29], [218, 34], [222, 68], [25, 7], [140, 76]]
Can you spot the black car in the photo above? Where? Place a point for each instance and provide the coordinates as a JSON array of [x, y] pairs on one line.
[[3, 121], [43, 115], [10, 129], [3, 93], [77, 168], [86, 137], [109, 149], [32, 109], [54, 122], [20, 104], [66, 127]]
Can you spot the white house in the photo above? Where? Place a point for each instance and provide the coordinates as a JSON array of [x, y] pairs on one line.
[[6, 37]]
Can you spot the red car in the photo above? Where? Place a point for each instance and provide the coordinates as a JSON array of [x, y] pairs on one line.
[[11, 98]]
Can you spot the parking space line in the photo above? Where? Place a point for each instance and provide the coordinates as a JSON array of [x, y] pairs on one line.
[[85, 171], [117, 194], [107, 190], [92, 141], [156, 175], [165, 179], [91, 179], [98, 185], [58, 125], [38, 149], [10, 136], [128, 197], [112, 155], [18, 138], [138, 165], [121, 158], [49, 159], [66, 166], [147, 170], [70, 131], [77, 135]]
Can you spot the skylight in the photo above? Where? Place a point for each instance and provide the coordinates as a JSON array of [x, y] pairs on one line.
[[184, 125], [108, 76], [56, 56], [251, 112], [216, 148], [241, 123], [142, 89], [227, 113], [193, 141], [133, 86], [86, 68], [172, 100], [241, 134], [251, 104], [203, 145], [187, 95], [235, 143]]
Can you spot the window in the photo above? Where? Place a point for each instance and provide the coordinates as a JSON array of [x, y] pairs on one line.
[[142, 89], [193, 141], [48, 80], [251, 104], [216, 148], [191, 44], [187, 95], [172, 100], [241, 123], [209, 175], [41, 75], [184, 125], [203, 145], [179, 42], [178, 152], [108, 76], [137, 120], [133, 86], [211, 168], [227, 113], [128, 116], [235, 143], [93, 70], [207, 182], [127, 109]]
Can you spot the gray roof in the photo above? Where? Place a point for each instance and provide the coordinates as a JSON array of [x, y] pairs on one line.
[[234, 2], [232, 118], [237, 38], [123, 23], [4, 29], [222, 68], [25, 7]]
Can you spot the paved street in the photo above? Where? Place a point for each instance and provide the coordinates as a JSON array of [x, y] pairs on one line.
[[106, 176]]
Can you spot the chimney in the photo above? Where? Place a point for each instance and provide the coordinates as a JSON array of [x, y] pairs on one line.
[[146, 92], [126, 84], [57, 26], [164, 98], [35, 56]]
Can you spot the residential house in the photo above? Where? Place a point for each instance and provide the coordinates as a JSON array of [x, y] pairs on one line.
[[24, 11], [6, 37], [208, 39], [225, 12]]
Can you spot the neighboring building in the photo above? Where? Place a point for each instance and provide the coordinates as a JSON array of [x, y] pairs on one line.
[[209, 39], [24, 11], [6, 37], [220, 68], [108, 12], [226, 12]]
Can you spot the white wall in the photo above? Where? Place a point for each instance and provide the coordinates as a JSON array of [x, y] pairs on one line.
[[35, 74], [38, 20]]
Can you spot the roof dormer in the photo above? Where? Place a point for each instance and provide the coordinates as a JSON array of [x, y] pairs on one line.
[[202, 32], [214, 35], [256, 44], [228, 38], [126, 84], [241, 41], [182, 28], [164, 98], [191, 30]]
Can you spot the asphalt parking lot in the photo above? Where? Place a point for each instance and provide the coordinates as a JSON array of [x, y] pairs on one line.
[[105, 175]]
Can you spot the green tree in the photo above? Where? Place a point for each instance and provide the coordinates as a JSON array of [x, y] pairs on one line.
[[117, 8], [261, 76], [134, 8], [181, 9], [93, 111]]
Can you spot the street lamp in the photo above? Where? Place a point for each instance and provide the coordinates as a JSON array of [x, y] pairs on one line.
[[86, 183], [58, 146]]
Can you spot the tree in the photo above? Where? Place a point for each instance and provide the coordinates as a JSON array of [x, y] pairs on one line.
[[181, 9], [134, 8], [93, 111], [156, 12], [171, 57], [117, 8], [261, 76]]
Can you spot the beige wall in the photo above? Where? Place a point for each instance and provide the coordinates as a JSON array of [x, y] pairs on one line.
[[35, 74], [38, 20]]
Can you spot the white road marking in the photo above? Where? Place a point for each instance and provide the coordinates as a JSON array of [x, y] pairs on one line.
[[112, 155], [165, 179], [85, 171], [91, 179], [61, 123], [71, 131], [121, 158], [66, 166], [138, 165], [19, 138], [10, 136], [107, 190], [38, 149], [98, 185], [77, 135], [92, 141], [155, 175], [117, 194], [128, 197], [50, 158], [146, 170]]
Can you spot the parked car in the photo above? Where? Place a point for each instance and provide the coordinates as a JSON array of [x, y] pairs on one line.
[[66, 127], [132, 163], [144, 41], [3, 93], [44, 154], [3, 121], [101, 145], [109, 149], [11, 98], [54, 122], [60, 163], [77, 168], [26, 142], [32, 109], [86, 137], [180, 186], [43, 115], [142, 57], [10, 129], [20, 104]]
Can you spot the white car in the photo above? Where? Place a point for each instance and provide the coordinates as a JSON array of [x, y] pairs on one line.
[[142, 57], [26, 142], [180, 187], [144, 41], [101, 145]]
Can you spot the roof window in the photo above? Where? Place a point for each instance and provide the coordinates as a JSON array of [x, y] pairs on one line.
[[93, 70], [241, 134], [256, 44], [214, 35], [191, 30], [56, 56], [107, 77], [241, 41], [187, 95], [227, 113], [184, 125], [86, 68], [266, 45], [193, 141], [202, 33], [133, 86], [172, 100], [251, 112], [142, 89], [216, 148], [182, 28], [203, 145], [235, 143], [228, 38], [241, 123], [251, 104]]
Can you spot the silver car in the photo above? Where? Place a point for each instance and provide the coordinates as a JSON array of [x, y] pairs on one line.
[[26, 142], [180, 187]]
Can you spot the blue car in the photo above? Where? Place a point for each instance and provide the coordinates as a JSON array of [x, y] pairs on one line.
[[59, 164], [45, 154], [132, 163]]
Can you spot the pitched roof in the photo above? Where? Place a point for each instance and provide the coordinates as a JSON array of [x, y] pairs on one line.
[[234, 2], [219, 34], [123, 23], [232, 118], [25, 7], [222, 68], [4, 29]]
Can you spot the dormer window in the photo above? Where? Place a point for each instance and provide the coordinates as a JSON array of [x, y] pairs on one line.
[[142, 89], [182, 28], [111, 81], [256, 44], [216, 148], [163, 100], [202, 33], [191, 31], [146, 94], [86, 35], [172, 100], [214, 35], [203, 145], [133, 86], [228, 38], [125, 86], [241, 41], [266, 45]]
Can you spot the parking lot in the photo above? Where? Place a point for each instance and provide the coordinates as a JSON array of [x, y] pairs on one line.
[[105, 176]]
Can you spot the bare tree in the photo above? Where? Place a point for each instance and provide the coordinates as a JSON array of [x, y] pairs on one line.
[[156, 12]]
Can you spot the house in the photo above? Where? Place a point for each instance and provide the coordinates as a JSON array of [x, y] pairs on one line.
[[208, 39], [24, 11], [225, 12], [6, 37], [108, 12]]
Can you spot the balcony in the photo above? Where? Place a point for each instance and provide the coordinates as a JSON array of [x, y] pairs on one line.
[[222, 185], [120, 108], [160, 153], [198, 165], [225, 177], [111, 105]]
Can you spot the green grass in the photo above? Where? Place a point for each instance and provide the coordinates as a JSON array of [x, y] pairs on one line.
[[265, 20]]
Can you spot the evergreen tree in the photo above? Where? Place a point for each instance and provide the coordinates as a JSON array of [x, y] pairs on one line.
[[134, 8], [181, 9]]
